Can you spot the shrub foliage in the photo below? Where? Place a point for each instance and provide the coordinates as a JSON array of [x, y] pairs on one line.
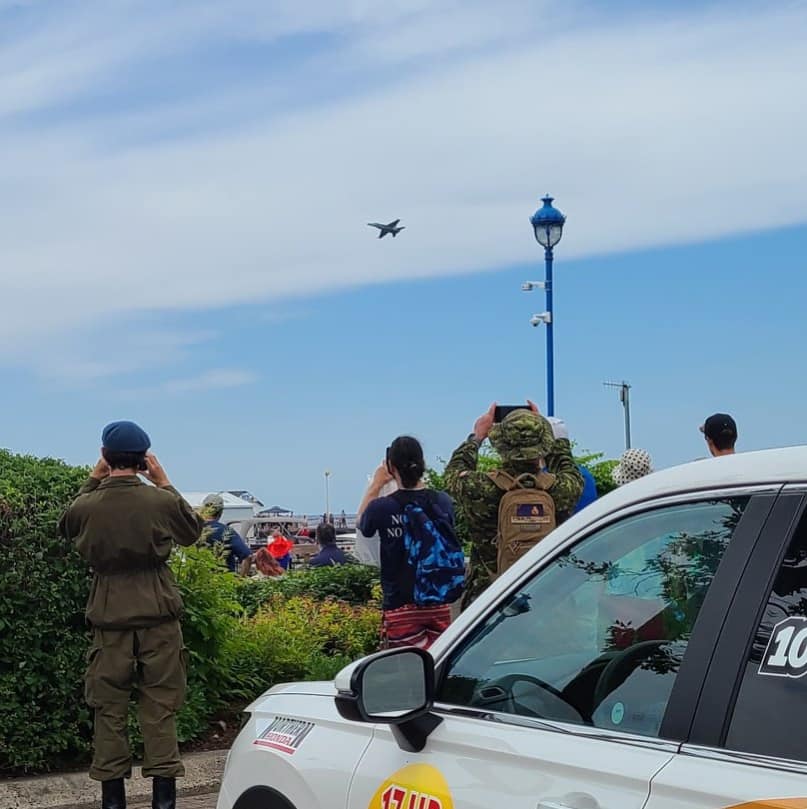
[[241, 636], [43, 637], [351, 583]]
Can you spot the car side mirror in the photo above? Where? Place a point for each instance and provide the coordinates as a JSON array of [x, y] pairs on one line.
[[394, 687]]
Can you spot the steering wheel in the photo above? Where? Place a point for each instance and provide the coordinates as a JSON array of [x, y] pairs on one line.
[[502, 689], [620, 667]]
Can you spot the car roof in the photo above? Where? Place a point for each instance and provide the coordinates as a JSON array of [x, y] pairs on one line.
[[783, 465]]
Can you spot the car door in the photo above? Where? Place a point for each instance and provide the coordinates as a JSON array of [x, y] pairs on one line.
[[557, 697], [747, 744]]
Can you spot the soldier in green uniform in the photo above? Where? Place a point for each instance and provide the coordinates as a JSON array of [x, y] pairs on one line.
[[125, 530], [525, 443]]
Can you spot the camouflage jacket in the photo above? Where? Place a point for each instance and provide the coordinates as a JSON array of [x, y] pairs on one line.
[[477, 498]]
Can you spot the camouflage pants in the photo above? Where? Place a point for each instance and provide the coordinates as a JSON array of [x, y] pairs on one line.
[[152, 661]]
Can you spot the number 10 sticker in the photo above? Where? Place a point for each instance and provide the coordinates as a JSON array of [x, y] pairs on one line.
[[786, 654]]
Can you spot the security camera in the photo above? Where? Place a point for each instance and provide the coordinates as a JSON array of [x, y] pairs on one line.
[[542, 318], [528, 286]]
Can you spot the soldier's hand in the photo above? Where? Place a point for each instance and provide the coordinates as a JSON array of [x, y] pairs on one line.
[[101, 470], [154, 471], [533, 407], [484, 423]]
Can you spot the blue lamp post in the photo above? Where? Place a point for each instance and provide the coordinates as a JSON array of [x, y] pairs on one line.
[[547, 223]]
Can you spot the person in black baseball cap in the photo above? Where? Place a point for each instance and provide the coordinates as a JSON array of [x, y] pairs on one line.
[[720, 432]]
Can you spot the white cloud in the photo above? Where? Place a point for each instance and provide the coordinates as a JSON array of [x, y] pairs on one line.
[[651, 131], [210, 380]]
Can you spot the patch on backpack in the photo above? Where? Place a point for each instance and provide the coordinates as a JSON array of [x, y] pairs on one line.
[[530, 514]]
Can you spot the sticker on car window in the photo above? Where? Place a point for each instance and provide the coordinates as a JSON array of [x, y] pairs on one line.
[[416, 786], [285, 735], [786, 653]]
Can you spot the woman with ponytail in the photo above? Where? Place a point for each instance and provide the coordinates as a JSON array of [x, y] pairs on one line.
[[404, 623]]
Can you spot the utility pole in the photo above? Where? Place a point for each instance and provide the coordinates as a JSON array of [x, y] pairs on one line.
[[624, 397]]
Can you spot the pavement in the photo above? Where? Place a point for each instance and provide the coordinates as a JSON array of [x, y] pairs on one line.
[[197, 790]]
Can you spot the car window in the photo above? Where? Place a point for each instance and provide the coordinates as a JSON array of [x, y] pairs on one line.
[[770, 713], [598, 635]]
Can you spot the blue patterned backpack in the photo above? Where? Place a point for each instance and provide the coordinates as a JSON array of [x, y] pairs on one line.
[[433, 551]]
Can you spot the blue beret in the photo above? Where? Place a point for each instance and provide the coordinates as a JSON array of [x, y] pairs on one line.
[[125, 436]]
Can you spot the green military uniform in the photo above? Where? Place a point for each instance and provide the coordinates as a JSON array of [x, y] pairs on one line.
[[125, 530], [525, 443]]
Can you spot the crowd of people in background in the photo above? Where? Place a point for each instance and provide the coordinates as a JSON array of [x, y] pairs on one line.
[[506, 511], [409, 530], [275, 556]]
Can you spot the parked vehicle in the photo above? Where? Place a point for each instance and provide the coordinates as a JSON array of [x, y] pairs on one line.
[[649, 654]]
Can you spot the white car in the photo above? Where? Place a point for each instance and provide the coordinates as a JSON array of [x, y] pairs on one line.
[[650, 652]]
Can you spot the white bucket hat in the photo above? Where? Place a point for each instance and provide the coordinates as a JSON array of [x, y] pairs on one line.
[[559, 428], [634, 464]]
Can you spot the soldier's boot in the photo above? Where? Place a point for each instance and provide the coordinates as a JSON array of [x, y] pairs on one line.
[[113, 794], [164, 793]]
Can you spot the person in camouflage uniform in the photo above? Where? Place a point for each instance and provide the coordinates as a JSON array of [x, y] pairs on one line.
[[222, 538], [525, 443]]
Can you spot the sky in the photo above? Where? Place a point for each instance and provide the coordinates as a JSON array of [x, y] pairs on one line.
[[185, 187]]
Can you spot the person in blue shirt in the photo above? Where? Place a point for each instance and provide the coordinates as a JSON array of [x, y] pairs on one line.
[[329, 553], [589, 494], [218, 535]]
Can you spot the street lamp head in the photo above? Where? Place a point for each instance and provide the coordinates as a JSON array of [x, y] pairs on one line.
[[547, 222]]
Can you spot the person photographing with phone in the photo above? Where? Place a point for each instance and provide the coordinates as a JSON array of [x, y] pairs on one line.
[[422, 564], [509, 510], [125, 531]]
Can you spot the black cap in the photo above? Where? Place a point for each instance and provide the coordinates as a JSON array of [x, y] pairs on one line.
[[720, 426]]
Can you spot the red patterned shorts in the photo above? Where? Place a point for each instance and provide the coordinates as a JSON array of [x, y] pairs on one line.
[[414, 626]]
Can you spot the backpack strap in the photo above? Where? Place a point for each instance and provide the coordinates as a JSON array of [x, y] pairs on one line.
[[527, 480], [543, 480], [431, 507], [504, 481]]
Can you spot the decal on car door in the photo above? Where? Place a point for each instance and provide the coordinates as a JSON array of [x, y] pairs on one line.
[[786, 653], [416, 786], [285, 735]]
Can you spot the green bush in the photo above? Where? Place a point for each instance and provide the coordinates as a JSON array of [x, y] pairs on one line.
[[307, 625], [351, 583], [300, 638], [602, 476], [600, 470], [43, 638]]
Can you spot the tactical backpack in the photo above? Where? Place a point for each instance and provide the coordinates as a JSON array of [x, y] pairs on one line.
[[433, 552], [526, 514]]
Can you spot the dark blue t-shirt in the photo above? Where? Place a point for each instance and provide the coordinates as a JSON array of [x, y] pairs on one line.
[[385, 517], [235, 549], [329, 555], [589, 494]]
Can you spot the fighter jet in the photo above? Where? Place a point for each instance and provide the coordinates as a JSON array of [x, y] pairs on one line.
[[383, 230]]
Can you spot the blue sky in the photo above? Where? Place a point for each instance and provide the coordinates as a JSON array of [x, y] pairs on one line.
[[184, 191]]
